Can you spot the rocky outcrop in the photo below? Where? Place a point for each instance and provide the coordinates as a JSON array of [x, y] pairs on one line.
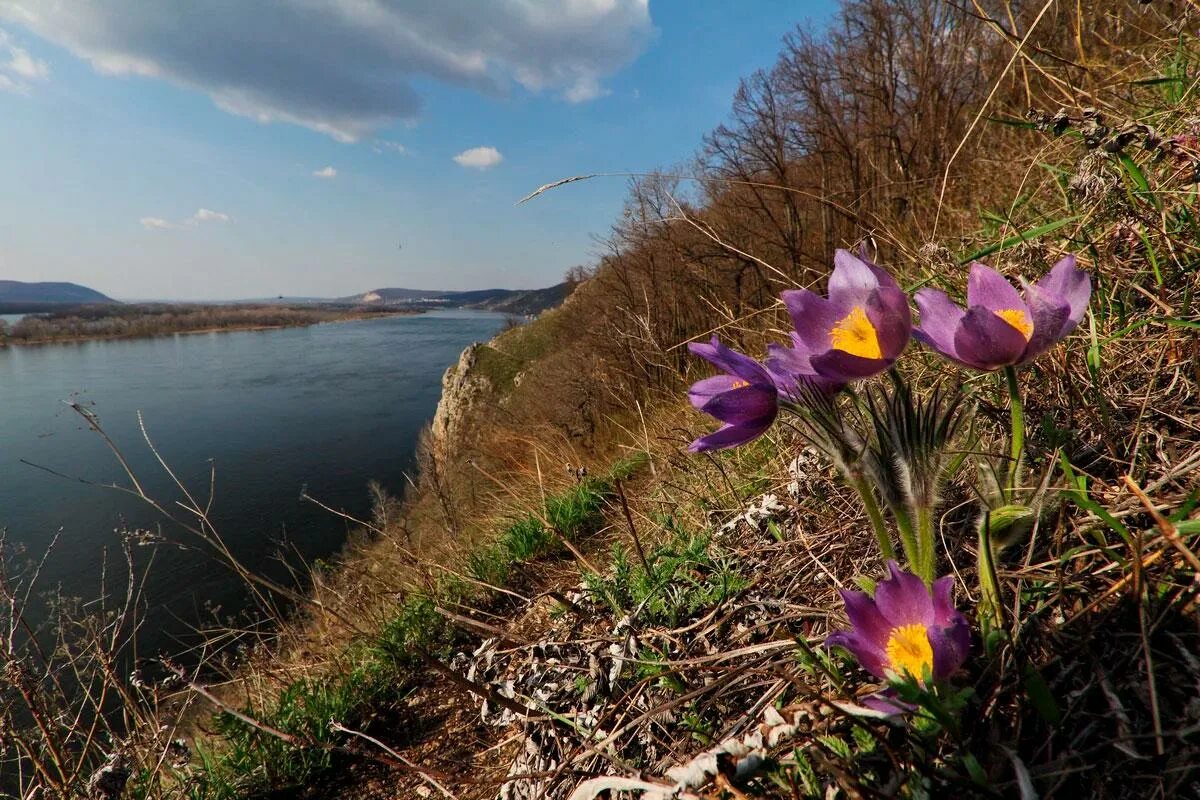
[[462, 388]]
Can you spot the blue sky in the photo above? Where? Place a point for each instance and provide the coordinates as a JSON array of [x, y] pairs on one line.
[[231, 152]]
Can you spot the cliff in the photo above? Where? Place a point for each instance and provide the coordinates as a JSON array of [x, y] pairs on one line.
[[462, 388]]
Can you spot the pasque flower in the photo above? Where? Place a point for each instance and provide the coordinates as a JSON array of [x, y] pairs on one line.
[[999, 327], [908, 628], [792, 370], [745, 397], [859, 330]]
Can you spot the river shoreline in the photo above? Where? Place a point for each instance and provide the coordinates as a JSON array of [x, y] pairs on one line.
[[355, 316]]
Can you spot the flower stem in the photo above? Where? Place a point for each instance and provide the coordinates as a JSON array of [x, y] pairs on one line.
[[876, 516], [1018, 432], [990, 611], [926, 563], [908, 536]]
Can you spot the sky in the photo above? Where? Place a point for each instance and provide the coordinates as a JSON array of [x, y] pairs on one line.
[[223, 149]]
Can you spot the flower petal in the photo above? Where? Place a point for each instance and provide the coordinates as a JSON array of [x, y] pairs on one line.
[[730, 361], [794, 360], [853, 279], [943, 601], [950, 647], [985, 341], [871, 657], [888, 311], [903, 599], [727, 436], [704, 390], [792, 370], [865, 618], [888, 703], [1072, 285], [747, 405], [1051, 321], [940, 318], [813, 317], [990, 289], [950, 635], [842, 367], [788, 365]]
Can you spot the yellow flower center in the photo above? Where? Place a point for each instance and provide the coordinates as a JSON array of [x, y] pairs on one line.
[[854, 334], [739, 384], [1019, 319], [908, 650]]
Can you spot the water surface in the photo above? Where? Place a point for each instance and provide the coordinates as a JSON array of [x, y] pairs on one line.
[[324, 409]]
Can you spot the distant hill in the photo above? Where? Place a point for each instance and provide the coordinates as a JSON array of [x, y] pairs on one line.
[[18, 297], [511, 301], [529, 301]]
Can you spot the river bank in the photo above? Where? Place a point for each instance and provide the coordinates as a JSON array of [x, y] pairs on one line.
[[141, 322]]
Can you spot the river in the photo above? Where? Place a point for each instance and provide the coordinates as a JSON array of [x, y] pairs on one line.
[[322, 409]]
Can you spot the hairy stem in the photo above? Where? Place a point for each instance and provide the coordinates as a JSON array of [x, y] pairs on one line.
[[908, 536], [991, 613], [865, 492], [926, 562], [1018, 433]]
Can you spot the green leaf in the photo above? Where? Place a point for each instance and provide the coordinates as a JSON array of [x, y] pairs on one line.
[[1139, 178], [1077, 490], [1173, 322], [1150, 254], [1029, 235], [974, 769], [1040, 695], [836, 746], [865, 583], [1154, 81], [1013, 122]]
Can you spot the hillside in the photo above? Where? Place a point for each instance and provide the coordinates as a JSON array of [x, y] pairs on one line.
[[513, 301], [18, 297]]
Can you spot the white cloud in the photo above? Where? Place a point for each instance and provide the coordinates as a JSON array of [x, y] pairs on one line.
[[385, 144], [347, 68], [585, 89], [17, 66], [479, 158], [208, 215], [325, 172], [201, 216]]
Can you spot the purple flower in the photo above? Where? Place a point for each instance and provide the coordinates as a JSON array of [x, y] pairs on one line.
[[861, 328], [999, 327], [791, 369], [745, 398], [906, 628]]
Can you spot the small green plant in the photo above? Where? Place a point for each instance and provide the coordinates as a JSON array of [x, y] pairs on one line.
[[678, 579]]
